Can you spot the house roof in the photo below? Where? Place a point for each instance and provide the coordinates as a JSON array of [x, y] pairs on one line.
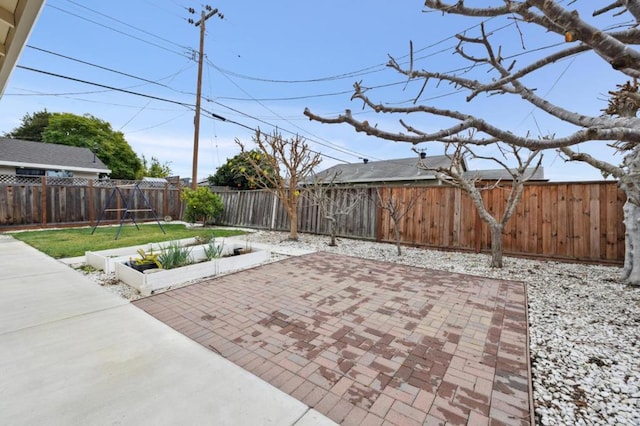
[[398, 170], [530, 174], [407, 170], [49, 156], [17, 18]]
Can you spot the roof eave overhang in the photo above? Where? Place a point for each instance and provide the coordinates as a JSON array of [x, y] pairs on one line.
[[54, 167], [390, 179], [28, 10]]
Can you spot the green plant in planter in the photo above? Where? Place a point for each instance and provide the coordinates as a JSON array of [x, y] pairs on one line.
[[174, 256], [146, 258], [213, 251]]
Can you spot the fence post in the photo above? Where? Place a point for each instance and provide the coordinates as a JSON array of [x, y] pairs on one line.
[[273, 211], [378, 209], [91, 203], [118, 204], [43, 200], [180, 205], [165, 200]]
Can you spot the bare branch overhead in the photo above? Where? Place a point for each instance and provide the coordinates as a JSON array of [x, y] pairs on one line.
[[618, 48]]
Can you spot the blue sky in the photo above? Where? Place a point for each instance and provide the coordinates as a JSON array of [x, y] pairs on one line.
[[266, 62]]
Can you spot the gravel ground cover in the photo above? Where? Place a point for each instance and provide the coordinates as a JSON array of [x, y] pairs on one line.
[[584, 325]]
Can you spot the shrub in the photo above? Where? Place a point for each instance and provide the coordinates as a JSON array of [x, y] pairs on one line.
[[202, 205]]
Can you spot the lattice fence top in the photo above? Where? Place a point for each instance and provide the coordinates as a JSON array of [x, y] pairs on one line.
[[97, 183], [61, 181], [19, 180]]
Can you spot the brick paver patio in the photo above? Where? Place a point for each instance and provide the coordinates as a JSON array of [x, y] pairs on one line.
[[367, 342]]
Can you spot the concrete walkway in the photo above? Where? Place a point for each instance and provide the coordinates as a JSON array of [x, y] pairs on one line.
[[73, 354]]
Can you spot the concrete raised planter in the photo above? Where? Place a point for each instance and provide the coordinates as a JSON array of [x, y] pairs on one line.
[[106, 260], [157, 279]]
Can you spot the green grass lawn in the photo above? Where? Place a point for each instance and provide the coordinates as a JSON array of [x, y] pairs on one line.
[[72, 242]]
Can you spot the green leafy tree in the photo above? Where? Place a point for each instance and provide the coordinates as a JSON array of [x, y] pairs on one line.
[[202, 205], [91, 132], [154, 168], [238, 173], [32, 127]]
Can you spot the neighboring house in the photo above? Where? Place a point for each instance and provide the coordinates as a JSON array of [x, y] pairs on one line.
[[397, 171], [17, 18], [406, 171], [25, 158]]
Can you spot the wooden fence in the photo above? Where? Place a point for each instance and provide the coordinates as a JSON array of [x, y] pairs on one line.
[[261, 209], [575, 221], [43, 202], [578, 221], [567, 221]]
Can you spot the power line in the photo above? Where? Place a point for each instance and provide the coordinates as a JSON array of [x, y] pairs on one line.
[[186, 105], [362, 71], [104, 86], [325, 144], [36, 93], [159, 124], [274, 126], [255, 129], [223, 71], [98, 66], [118, 31], [166, 10], [128, 25], [154, 82]]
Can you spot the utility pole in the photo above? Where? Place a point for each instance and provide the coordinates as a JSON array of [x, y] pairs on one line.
[[204, 15]]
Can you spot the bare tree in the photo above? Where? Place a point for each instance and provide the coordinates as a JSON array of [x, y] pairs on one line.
[[287, 163], [615, 44], [397, 209], [333, 200], [472, 184]]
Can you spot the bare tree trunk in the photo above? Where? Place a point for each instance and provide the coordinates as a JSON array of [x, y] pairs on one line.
[[397, 232], [631, 270], [333, 230], [293, 228], [630, 185], [496, 244]]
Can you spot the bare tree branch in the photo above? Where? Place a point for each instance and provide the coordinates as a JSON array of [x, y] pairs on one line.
[[286, 164], [558, 19], [470, 122], [397, 210], [619, 124], [633, 6], [572, 155], [332, 200]]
